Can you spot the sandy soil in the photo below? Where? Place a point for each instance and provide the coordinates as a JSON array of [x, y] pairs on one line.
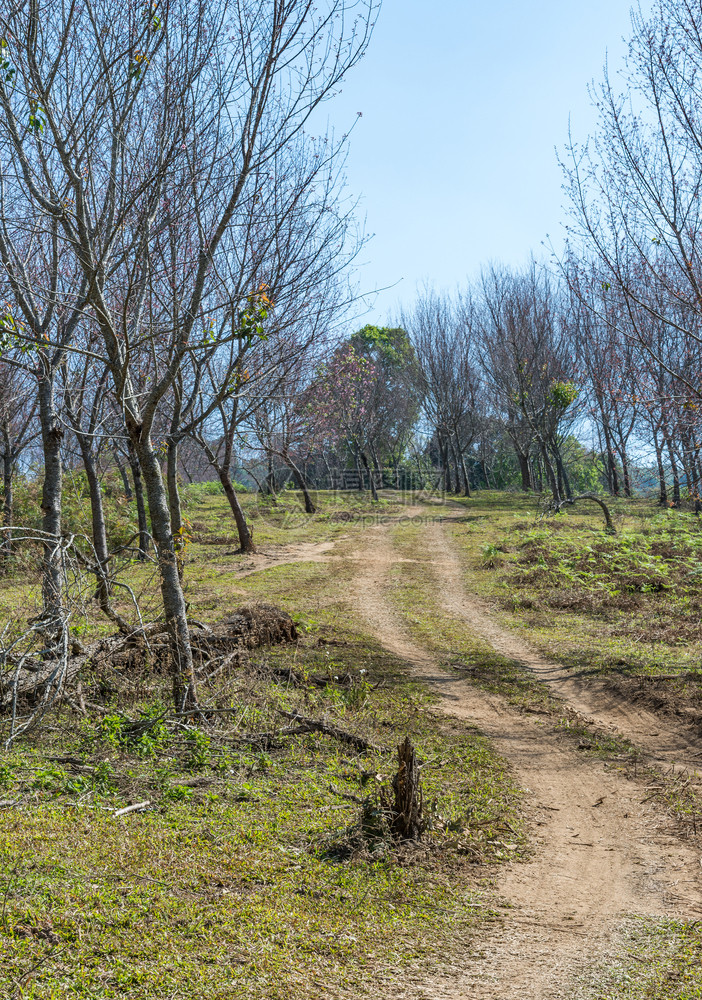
[[601, 851], [282, 556]]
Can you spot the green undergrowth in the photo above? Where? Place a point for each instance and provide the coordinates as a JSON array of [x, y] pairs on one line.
[[280, 520], [210, 555], [262, 865], [628, 604], [415, 593]]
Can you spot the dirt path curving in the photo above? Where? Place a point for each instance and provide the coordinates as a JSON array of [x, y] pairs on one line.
[[664, 742], [601, 853]]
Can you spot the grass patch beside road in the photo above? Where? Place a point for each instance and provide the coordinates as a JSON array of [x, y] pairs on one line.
[[255, 873]]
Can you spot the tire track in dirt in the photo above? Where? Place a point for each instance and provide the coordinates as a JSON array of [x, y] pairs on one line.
[[600, 852], [664, 743]]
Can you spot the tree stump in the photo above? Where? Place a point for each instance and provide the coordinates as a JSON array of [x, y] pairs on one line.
[[405, 806]]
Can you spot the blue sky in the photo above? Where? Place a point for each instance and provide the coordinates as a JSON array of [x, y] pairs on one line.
[[463, 105]]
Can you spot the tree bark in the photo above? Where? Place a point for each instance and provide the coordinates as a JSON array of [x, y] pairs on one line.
[[139, 497], [174, 507], [551, 475], [612, 476], [174, 606], [563, 475], [371, 478], [456, 464], [464, 472], [99, 529], [676, 473], [8, 470], [129, 495], [662, 485], [246, 542], [309, 505], [51, 436], [525, 471]]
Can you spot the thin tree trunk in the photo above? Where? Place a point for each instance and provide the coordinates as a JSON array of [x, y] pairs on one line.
[[525, 471], [246, 543], [456, 468], [125, 478], [364, 459], [464, 471], [174, 507], [309, 505], [99, 530], [443, 453], [174, 606], [676, 474], [270, 478], [8, 469], [625, 472], [611, 463], [376, 466], [563, 480], [141, 506], [551, 475], [330, 478], [52, 436], [662, 485]]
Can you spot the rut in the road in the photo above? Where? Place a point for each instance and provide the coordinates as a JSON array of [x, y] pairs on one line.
[[665, 742], [601, 852]]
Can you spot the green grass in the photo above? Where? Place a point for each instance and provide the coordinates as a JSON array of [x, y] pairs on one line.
[[263, 873], [252, 873], [625, 604]]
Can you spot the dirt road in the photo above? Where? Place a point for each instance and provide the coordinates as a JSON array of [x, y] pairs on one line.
[[602, 853]]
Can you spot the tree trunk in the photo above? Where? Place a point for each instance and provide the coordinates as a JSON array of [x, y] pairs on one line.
[[246, 542], [551, 475], [676, 474], [270, 478], [309, 505], [525, 471], [141, 506], [123, 474], [611, 464], [376, 465], [662, 486], [625, 472], [51, 436], [563, 480], [364, 459], [174, 606], [99, 532], [444, 457], [8, 469], [456, 468], [174, 507], [464, 471]]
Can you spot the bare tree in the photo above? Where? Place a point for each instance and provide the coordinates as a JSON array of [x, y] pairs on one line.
[[142, 120]]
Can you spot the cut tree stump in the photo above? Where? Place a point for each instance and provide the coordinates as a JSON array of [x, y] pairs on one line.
[[406, 805]]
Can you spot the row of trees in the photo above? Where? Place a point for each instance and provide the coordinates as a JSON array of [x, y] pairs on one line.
[[175, 247], [159, 191]]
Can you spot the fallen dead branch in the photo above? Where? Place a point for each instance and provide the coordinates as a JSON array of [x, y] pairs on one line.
[[317, 726], [137, 807]]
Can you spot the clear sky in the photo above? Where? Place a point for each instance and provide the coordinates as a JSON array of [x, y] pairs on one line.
[[463, 105]]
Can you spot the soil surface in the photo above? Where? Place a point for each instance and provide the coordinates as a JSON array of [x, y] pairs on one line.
[[602, 851]]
